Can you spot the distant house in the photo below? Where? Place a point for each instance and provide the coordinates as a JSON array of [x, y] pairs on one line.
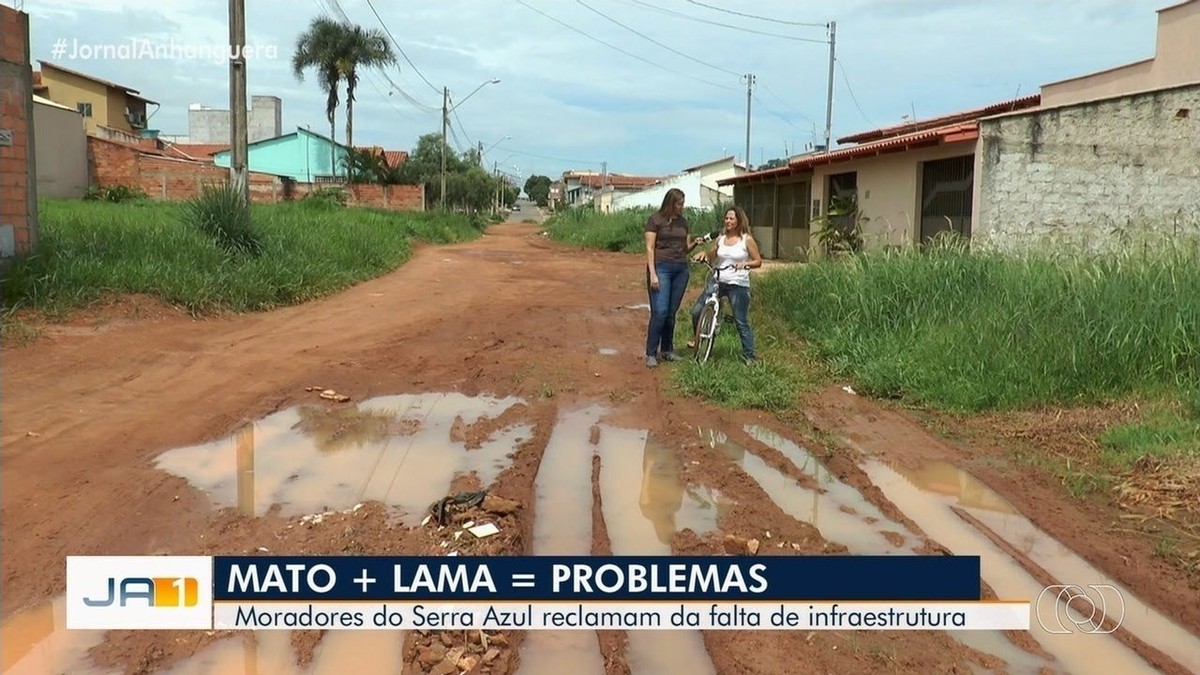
[[302, 155], [599, 189], [105, 106], [699, 184], [60, 150]]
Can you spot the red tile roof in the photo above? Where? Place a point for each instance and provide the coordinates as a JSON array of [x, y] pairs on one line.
[[617, 181], [1031, 101], [393, 157], [950, 133], [195, 151]]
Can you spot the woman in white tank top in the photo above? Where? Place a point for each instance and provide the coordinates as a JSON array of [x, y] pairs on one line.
[[735, 247]]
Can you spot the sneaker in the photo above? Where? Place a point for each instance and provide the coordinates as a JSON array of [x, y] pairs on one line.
[[671, 356], [651, 362], [750, 360]]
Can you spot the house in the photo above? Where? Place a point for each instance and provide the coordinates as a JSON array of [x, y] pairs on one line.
[[699, 184], [599, 189], [302, 156], [1088, 159], [908, 182], [60, 149], [104, 105], [1107, 158]]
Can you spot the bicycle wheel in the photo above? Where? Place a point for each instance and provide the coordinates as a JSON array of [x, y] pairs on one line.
[[706, 332]]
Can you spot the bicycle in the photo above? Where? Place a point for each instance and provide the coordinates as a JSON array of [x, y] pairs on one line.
[[710, 320]]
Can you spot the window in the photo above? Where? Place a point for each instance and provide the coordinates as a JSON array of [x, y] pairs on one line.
[[946, 186], [84, 108]]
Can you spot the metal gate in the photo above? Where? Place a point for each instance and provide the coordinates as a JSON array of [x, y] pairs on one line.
[[946, 191]]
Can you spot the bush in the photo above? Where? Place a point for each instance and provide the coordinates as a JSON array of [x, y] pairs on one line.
[[220, 213]]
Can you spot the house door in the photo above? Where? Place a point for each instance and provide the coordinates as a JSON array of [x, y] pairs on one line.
[[946, 189]]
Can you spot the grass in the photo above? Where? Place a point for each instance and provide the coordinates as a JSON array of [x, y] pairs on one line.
[[91, 250], [621, 231], [968, 331]]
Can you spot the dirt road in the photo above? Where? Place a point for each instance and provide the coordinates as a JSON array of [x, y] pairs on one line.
[[510, 363]]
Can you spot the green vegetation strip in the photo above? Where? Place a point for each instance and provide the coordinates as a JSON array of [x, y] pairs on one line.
[[302, 250]]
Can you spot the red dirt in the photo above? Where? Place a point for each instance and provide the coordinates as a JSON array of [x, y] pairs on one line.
[[90, 403]]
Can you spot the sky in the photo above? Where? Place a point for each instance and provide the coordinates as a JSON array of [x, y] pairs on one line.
[[642, 87]]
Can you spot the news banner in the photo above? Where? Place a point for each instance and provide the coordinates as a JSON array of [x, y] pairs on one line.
[[535, 593]]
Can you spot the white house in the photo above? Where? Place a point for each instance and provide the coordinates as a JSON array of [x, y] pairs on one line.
[[699, 185]]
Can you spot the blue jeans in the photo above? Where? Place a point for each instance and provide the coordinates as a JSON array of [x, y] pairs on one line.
[[664, 304], [739, 297]]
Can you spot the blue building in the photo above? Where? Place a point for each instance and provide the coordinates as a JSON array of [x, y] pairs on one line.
[[302, 155]]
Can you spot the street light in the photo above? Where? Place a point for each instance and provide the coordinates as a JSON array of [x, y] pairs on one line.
[[483, 152], [446, 121]]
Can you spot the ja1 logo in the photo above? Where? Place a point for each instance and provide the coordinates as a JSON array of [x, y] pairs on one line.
[[133, 592], [1069, 608], [154, 592]]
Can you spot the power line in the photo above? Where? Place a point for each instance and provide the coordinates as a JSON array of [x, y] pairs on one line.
[[852, 96], [401, 49], [689, 17], [554, 159], [612, 46], [786, 105], [647, 37], [761, 18]]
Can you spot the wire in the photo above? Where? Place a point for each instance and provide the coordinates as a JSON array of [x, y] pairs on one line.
[[851, 90], [681, 15], [401, 49], [647, 37], [630, 54], [554, 159], [761, 18]]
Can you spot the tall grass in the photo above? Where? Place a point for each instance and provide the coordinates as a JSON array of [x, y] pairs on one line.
[[619, 231], [968, 330], [93, 249]]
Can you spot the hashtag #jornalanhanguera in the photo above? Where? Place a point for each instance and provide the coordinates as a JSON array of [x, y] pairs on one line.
[[138, 49]]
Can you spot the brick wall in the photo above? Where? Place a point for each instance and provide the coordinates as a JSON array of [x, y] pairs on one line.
[[112, 163], [1099, 175], [18, 182]]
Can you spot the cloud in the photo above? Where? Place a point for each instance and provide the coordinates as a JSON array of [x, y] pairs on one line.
[[641, 107]]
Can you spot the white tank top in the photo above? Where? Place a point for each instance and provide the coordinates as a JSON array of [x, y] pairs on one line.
[[732, 255]]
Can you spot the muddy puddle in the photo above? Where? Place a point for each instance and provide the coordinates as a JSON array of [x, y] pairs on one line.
[[562, 525], [929, 496], [838, 511], [37, 642], [609, 351], [271, 651], [644, 503], [403, 451]]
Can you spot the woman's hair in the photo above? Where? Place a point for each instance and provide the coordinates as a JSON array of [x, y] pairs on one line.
[[743, 220], [669, 200]]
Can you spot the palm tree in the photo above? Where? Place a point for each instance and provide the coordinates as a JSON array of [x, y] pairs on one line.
[[361, 48], [320, 48]]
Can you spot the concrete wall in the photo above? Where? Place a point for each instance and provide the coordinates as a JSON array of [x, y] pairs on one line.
[[889, 191], [1176, 61], [264, 120], [18, 146], [61, 152], [1129, 163]]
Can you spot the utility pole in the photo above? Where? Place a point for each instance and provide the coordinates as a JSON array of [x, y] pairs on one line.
[[749, 94], [445, 114], [829, 95], [239, 177]]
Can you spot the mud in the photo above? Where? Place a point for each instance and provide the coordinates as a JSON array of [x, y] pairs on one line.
[[209, 434]]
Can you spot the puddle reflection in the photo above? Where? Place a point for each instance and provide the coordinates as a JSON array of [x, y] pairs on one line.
[[37, 642], [399, 450]]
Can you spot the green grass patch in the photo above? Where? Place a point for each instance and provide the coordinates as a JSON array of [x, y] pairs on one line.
[[972, 331], [622, 231], [1166, 432], [91, 250]]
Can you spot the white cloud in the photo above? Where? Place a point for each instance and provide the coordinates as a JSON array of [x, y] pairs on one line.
[[564, 95]]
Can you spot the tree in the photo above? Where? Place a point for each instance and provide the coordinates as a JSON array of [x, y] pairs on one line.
[[318, 48], [538, 189], [337, 51], [360, 48]]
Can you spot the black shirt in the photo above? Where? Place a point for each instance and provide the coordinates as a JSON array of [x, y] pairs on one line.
[[671, 244]]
